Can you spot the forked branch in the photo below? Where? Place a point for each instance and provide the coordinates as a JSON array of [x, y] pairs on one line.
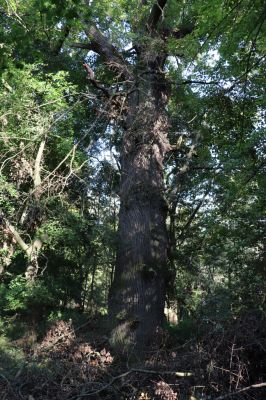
[[102, 46], [156, 14]]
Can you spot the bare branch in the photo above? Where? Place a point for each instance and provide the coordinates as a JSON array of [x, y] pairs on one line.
[[156, 13], [37, 165], [102, 46], [95, 83], [191, 82], [136, 370], [14, 233], [60, 43], [228, 395], [80, 45]]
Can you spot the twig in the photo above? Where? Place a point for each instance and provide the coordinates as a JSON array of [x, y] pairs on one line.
[[8, 383], [51, 345], [103, 388], [5, 379], [176, 373], [146, 371], [226, 396]]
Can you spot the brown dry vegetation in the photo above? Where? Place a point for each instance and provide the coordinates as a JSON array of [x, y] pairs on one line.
[[224, 362]]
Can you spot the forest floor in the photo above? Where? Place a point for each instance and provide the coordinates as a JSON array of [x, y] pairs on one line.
[[71, 363]]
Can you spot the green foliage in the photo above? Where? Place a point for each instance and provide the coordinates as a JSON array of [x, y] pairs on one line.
[[186, 330], [77, 319], [21, 296]]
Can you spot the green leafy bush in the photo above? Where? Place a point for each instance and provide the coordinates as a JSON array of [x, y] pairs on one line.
[[22, 296]]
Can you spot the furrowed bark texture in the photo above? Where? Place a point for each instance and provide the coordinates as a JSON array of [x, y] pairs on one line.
[[137, 295]]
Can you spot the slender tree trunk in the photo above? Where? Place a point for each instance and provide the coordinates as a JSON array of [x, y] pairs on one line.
[[92, 302], [137, 295]]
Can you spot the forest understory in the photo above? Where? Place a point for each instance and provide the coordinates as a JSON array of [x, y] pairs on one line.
[[76, 362]]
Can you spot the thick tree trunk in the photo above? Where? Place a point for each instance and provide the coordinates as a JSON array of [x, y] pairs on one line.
[[137, 296]]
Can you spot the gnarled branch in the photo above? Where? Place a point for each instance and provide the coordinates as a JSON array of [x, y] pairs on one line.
[[102, 46]]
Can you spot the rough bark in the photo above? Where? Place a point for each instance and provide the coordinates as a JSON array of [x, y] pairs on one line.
[[137, 295]]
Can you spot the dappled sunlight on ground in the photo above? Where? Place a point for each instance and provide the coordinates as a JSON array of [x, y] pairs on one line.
[[68, 364]]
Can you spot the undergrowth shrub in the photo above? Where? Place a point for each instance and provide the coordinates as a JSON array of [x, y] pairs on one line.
[[11, 358], [20, 296]]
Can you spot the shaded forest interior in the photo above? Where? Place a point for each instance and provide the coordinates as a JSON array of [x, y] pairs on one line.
[[132, 199]]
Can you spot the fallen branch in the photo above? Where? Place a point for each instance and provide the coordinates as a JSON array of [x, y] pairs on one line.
[[176, 373], [145, 371], [228, 395]]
